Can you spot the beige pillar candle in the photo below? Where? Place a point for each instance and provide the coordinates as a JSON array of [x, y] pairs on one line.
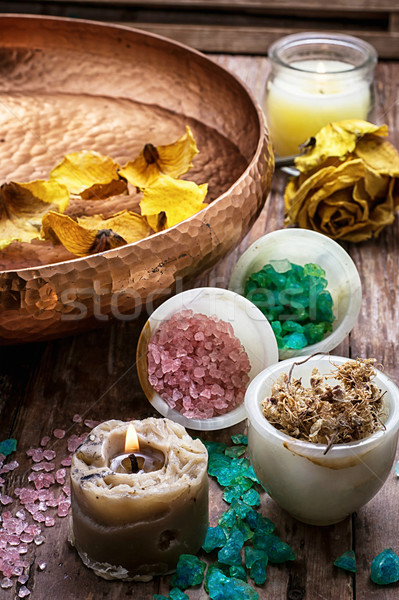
[[135, 525]]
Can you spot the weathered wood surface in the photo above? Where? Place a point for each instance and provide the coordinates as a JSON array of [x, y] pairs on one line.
[[237, 26], [43, 385]]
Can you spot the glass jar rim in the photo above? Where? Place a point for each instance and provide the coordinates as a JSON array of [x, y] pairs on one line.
[[334, 41]]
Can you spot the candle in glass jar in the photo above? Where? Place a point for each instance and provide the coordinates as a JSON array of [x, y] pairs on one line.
[[316, 79], [135, 510]]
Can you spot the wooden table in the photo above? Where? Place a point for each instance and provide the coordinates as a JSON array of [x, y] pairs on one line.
[[43, 385]]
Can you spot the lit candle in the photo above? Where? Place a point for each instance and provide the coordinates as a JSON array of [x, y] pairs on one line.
[[314, 83], [138, 505]]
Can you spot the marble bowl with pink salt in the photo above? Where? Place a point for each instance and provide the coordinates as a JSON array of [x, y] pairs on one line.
[[197, 354]]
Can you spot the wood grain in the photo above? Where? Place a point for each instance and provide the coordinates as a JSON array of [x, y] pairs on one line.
[[43, 385]]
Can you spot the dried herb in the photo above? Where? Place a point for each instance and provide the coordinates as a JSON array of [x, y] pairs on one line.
[[347, 410]]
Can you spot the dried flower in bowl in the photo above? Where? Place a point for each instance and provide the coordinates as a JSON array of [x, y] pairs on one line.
[[348, 410], [332, 461]]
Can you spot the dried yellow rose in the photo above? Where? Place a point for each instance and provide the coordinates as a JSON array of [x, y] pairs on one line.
[[348, 183]]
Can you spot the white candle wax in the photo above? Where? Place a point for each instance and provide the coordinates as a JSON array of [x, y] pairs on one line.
[[299, 101], [134, 525]]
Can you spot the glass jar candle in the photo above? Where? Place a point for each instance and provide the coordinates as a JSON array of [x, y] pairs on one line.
[[315, 79]]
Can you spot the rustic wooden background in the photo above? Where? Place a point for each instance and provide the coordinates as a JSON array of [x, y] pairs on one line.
[[235, 26]]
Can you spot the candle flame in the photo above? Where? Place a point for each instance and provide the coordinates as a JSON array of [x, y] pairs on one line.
[[321, 67], [131, 440]]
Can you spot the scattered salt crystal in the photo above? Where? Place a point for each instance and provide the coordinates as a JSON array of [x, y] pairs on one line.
[[31, 451], [27, 538], [6, 583], [2, 480], [66, 462], [60, 476], [4, 499], [77, 418], [21, 514], [37, 455], [39, 517], [38, 539], [22, 548], [17, 572], [67, 490], [63, 508], [59, 433], [73, 443], [49, 522], [49, 454], [23, 591], [45, 440], [90, 423], [42, 566], [23, 579], [13, 540]]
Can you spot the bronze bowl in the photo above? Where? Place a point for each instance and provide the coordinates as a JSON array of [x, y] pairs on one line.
[[69, 85]]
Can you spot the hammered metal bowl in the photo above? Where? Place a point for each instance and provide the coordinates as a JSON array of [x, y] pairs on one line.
[[69, 85]]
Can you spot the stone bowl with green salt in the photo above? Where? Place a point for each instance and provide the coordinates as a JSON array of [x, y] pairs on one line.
[[305, 284]]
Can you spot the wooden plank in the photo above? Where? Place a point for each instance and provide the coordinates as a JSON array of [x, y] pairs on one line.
[[232, 5], [254, 40]]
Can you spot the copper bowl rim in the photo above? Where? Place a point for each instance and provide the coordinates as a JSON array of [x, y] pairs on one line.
[[185, 48]]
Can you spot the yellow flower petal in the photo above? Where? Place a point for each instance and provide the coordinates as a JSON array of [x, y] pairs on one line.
[[177, 198], [88, 235], [22, 206], [89, 175], [173, 160]]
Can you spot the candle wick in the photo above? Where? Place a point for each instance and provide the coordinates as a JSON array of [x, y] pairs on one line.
[[134, 465]]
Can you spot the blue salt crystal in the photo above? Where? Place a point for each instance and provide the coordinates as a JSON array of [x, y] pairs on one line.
[[294, 341], [239, 438], [177, 594], [214, 447], [159, 597], [215, 538], [231, 493], [385, 567], [235, 451], [238, 571], [240, 508], [189, 571], [276, 550], [221, 587], [228, 519], [8, 446], [245, 529], [251, 497], [258, 572], [397, 469], [346, 561], [217, 462], [251, 474], [230, 554], [253, 555], [258, 522]]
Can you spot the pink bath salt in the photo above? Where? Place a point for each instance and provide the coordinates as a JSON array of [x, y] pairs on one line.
[[49, 454], [45, 440], [197, 365], [60, 476], [49, 521], [67, 461], [90, 423], [77, 418], [63, 508], [4, 499], [37, 455], [59, 433]]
